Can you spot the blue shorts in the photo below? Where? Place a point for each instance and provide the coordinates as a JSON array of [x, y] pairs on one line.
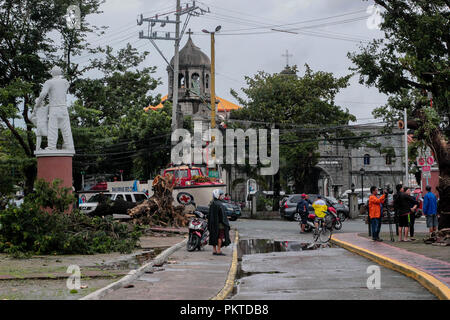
[[432, 220]]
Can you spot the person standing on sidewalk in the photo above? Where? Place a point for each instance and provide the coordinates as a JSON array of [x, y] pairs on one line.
[[399, 189], [404, 204], [375, 212], [412, 215], [302, 209], [218, 225], [430, 210]]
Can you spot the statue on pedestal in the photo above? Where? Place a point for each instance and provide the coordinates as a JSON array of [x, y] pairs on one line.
[[48, 119]]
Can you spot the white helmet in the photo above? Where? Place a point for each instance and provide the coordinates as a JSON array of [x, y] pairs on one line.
[[217, 193]]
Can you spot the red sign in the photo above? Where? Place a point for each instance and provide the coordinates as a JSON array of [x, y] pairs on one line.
[[430, 160], [185, 198], [426, 168], [421, 161]]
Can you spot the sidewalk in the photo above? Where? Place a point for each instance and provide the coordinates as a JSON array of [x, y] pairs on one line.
[[197, 275], [433, 274]]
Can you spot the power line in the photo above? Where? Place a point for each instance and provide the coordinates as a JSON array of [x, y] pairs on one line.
[[290, 24]]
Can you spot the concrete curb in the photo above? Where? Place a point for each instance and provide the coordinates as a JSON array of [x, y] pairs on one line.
[[229, 284], [432, 284], [134, 274]]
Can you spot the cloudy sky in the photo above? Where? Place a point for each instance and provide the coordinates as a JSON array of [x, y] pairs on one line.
[[324, 32]]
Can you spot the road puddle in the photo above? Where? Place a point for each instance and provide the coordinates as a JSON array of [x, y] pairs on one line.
[[261, 246], [254, 246], [134, 262]]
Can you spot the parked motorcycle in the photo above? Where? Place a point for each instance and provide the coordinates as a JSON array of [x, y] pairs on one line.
[[198, 231]]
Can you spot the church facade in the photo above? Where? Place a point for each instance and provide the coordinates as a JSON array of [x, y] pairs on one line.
[[338, 167]]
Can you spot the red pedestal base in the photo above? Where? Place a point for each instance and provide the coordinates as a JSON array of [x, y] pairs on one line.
[[55, 165]]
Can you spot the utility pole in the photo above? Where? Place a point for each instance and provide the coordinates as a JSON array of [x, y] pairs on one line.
[[190, 10], [405, 119], [213, 82], [176, 69], [213, 85]]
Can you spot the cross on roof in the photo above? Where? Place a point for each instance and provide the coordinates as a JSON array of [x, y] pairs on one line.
[[189, 32], [287, 55]]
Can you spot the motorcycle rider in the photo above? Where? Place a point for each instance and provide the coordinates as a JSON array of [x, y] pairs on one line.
[[218, 225], [302, 208]]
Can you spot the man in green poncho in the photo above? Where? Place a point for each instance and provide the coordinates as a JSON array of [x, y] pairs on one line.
[[218, 225]]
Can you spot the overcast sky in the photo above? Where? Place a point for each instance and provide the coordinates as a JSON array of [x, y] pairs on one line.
[[323, 47]]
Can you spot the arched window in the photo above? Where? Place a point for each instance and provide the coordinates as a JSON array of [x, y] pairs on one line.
[[207, 81], [195, 84], [366, 159], [181, 82]]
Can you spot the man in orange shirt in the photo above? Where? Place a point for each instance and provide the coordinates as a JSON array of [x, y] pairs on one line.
[[375, 212]]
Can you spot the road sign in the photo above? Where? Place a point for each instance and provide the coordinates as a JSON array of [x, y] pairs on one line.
[[213, 174], [251, 186], [430, 160], [185, 198], [426, 169], [420, 161]]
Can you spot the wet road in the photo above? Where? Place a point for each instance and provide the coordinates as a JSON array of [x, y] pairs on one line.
[[322, 273]]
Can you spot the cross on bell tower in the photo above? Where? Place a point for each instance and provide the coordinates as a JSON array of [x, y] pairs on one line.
[[189, 32], [287, 55]]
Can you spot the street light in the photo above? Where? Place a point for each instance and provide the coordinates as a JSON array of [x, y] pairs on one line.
[[362, 172], [213, 78]]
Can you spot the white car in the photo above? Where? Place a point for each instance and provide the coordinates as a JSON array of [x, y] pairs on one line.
[[92, 203]]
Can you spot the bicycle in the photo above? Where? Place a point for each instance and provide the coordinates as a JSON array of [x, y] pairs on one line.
[[324, 230]]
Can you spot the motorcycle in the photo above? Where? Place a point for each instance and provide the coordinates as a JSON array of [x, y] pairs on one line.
[[310, 222], [336, 221], [198, 231]]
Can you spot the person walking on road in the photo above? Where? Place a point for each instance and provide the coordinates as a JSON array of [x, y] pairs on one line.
[[375, 212], [430, 209], [218, 225], [302, 209]]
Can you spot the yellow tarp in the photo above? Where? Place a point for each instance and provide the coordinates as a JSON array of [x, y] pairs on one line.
[[224, 105]]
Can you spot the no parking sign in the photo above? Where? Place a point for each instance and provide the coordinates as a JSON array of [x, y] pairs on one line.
[[420, 161]]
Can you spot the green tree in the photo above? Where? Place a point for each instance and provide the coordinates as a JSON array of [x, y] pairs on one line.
[[299, 107], [411, 61], [111, 129], [27, 52]]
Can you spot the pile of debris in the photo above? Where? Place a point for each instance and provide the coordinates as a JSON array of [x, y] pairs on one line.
[[159, 210], [439, 238]]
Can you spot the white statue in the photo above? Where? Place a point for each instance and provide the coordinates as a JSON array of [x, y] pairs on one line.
[[57, 114], [39, 118]]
